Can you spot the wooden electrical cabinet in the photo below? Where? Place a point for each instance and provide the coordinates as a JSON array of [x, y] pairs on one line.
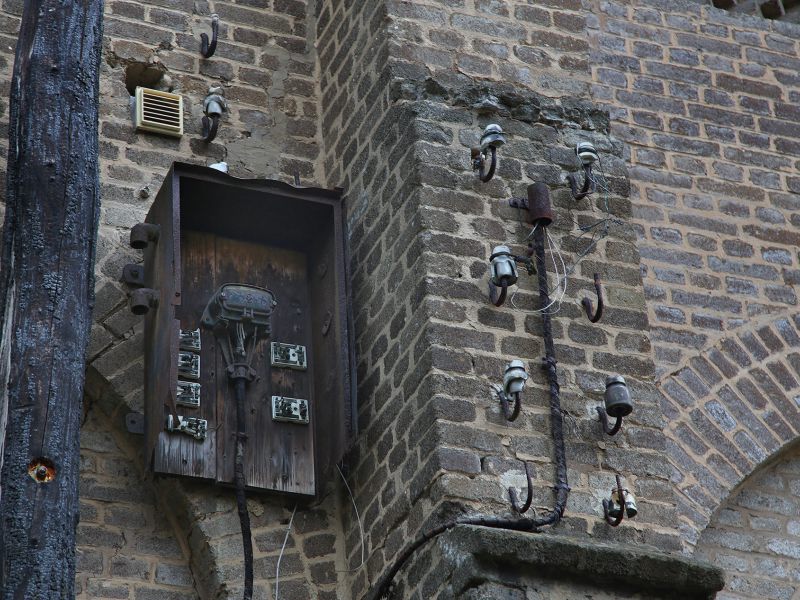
[[207, 229]]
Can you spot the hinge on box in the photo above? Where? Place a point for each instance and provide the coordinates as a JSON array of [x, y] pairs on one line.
[[133, 274], [134, 422]]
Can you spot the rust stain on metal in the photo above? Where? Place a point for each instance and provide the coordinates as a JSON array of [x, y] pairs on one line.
[[42, 470]]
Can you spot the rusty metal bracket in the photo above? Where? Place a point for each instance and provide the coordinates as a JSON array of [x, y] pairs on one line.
[[537, 203], [589, 184], [518, 202], [604, 420], [143, 234], [512, 493], [133, 274], [615, 521], [494, 297], [479, 163], [134, 423], [207, 49], [142, 300], [587, 302]]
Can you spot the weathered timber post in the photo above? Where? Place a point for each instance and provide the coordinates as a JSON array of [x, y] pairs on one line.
[[46, 291]]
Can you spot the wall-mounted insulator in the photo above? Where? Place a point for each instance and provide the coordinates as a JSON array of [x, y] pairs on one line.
[[588, 156], [586, 153], [213, 107], [621, 504], [143, 234], [515, 377], [514, 380], [491, 140], [504, 273], [617, 401]]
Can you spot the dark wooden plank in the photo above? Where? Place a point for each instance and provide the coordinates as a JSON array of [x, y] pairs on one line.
[[278, 456], [160, 260], [46, 289], [178, 453], [331, 352]]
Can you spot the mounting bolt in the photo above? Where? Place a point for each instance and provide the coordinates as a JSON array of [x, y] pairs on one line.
[[42, 470]]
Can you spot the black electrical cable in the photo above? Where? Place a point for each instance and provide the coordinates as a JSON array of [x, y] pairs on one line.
[[553, 517], [238, 476], [556, 416]]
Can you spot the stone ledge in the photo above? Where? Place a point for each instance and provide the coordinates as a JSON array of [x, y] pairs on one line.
[[484, 554]]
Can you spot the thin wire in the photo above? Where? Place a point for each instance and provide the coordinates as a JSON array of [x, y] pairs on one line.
[[358, 518], [280, 556], [559, 281], [528, 237], [597, 236], [554, 250], [556, 298]]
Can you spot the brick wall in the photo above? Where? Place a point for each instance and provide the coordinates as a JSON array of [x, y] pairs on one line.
[[397, 126], [266, 63], [691, 110], [128, 546], [731, 408], [541, 46], [705, 103], [754, 535]]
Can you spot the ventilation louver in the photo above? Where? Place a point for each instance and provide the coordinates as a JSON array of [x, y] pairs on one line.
[[160, 112]]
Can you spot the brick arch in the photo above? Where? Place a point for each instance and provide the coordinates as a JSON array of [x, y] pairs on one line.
[[753, 533], [729, 410]]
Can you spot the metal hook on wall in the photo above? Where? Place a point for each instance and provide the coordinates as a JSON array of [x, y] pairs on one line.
[[494, 297], [479, 163], [510, 415], [210, 126], [512, 493], [587, 302], [513, 383], [503, 272], [206, 49], [491, 140], [588, 156], [619, 507]]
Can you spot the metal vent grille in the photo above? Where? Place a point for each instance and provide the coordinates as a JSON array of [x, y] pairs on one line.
[[158, 111]]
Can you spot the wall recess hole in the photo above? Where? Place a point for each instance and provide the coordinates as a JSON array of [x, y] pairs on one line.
[[42, 470], [149, 75]]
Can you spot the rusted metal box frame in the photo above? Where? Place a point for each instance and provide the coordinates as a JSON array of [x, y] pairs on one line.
[[308, 221]]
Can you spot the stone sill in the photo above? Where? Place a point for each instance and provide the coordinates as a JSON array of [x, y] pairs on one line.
[[485, 554]]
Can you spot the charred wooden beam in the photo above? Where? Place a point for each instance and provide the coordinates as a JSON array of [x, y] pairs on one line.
[[46, 291]]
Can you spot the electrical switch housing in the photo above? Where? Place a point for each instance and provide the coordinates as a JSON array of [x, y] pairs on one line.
[[221, 235]]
